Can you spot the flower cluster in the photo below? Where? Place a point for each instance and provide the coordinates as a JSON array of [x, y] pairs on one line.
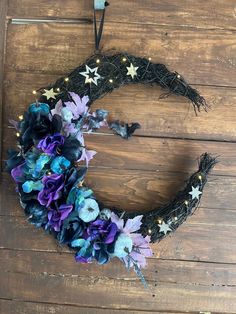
[[49, 171]]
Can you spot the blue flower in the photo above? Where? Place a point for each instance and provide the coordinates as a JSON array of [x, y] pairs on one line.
[[39, 107], [84, 252], [66, 114], [123, 246], [40, 164], [89, 211], [30, 186], [60, 164]]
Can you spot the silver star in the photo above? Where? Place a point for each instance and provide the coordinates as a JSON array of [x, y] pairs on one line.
[[195, 192], [50, 93], [87, 75], [164, 227], [132, 70]]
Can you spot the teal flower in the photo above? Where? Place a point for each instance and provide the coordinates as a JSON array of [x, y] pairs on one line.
[[39, 107], [40, 164], [60, 164], [89, 211], [123, 246], [30, 186]]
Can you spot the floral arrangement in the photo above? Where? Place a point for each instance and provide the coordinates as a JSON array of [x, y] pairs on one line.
[[49, 171]]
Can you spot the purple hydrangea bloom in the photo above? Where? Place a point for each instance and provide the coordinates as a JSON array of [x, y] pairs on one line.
[[53, 184], [50, 143], [56, 217]]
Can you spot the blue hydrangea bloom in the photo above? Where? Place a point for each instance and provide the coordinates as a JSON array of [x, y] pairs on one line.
[[60, 164], [89, 211], [30, 186], [123, 246], [40, 107], [40, 164]]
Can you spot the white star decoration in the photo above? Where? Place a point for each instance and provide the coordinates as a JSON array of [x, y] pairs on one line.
[[50, 93], [164, 227], [132, 70], [87, 74], [195, 192]]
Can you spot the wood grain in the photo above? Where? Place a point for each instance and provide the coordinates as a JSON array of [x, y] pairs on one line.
[[201, 56], [200, 14], [191, 271], [196, 242], [30, 287], [169, 117], [19, 307], [52, 264], [3, 26], [150, 154]]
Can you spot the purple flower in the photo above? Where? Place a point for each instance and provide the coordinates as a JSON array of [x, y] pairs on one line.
[[17, 173], [56, 217], [50, 143], [53, 184], [102, 231]]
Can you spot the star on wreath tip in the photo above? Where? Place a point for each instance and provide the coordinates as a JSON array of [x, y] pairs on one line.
[[91, 79], [195, 193], [49, 93], [132, 70], [164, 227]]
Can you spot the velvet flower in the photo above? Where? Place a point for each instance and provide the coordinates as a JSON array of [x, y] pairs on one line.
[[50, 143], [52, 186], [56, 217]]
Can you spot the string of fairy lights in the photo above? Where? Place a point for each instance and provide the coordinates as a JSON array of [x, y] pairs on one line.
[[101, 74]]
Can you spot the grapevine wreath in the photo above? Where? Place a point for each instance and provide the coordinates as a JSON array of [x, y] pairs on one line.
[[52, 159]]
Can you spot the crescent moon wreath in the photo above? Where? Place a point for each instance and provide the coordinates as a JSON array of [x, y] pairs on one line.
[[51, 162]]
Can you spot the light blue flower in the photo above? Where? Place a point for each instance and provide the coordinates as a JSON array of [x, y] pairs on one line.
[[77, 195], [39, 107], [66, 114], [30, 186], [59, 164], [123, 246], [89, 211]]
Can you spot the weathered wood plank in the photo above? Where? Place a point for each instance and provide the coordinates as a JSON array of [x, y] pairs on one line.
[[197, 242], [3, 27], [52, 264], [150, 154], [191, 14], [143, 190], [172, 116], [201, 56], [102, 292], [19, 307]]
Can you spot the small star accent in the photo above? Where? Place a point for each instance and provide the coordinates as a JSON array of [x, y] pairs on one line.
[[50, 93], [91, 75], [195, 192], [132, 70], [164, 227]]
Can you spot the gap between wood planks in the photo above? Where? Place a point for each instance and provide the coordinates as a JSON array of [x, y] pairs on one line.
[[32, 20], [99, 310]]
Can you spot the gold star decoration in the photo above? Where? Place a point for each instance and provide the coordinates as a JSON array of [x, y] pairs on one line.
[[132, 70], [49, 93]]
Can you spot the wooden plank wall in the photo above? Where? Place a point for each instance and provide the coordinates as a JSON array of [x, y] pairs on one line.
[[192, 271]]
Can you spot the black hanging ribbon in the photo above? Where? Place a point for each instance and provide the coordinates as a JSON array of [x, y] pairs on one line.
[[98, 33]]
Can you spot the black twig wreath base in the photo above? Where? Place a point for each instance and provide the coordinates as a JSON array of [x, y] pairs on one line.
[[114, 74], [52, 159]]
